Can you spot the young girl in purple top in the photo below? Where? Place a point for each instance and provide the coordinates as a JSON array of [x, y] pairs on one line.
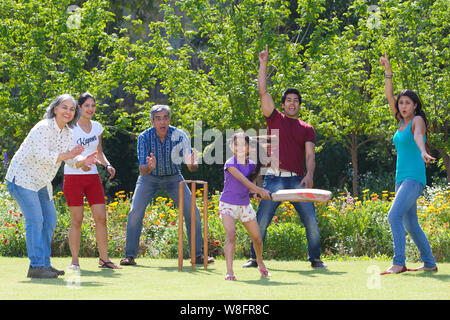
[[240, 173]]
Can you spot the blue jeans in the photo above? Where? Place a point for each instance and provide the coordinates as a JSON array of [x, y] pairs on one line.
[[403, 214], [146, 188], [40, 222], [305, 210]]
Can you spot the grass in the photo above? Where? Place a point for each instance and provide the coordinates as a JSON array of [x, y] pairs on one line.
[[159, 279]]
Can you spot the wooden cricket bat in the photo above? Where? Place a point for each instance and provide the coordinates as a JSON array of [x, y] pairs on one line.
[[307, 195]]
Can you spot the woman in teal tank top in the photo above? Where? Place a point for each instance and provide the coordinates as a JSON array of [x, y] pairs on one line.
[[410, 178]]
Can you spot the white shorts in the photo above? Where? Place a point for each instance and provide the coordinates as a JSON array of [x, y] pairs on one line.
[[244, 213]]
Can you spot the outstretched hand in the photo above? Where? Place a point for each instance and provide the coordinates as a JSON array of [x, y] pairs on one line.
[[91, 159], [427, 158], [151, 161], [76, 151], [191, 158]]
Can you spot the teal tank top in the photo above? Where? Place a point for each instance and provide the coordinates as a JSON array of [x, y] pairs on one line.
[[410, 164]]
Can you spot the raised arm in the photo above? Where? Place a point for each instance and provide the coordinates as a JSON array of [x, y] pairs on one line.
[[267, 104], [388, 87]]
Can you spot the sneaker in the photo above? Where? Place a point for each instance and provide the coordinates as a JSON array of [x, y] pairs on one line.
[[199, 260], [41, 272], [128, 261], [251, 263], [317, 263], [58, 272]]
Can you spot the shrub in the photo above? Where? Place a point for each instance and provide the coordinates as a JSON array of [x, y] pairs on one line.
[[348, 227]]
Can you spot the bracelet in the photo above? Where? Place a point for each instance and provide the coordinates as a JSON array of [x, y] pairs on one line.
[[388, 76], [109, 165]]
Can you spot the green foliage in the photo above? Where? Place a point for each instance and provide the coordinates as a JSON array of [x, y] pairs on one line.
[[203, 56], [45, 52], [286, 241], [348, 227]]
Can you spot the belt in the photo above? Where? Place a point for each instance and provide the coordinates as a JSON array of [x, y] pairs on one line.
[[279, 173]]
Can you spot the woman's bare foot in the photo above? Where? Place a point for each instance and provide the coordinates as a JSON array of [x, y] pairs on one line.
[[395, 269]]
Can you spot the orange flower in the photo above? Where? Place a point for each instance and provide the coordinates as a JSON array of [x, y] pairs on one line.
[[217, 243]]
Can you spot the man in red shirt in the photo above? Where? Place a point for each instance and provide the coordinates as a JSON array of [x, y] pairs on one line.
[[296, 143]]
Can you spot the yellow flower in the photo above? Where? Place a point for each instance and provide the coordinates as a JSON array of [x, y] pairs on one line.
[[113, 204]]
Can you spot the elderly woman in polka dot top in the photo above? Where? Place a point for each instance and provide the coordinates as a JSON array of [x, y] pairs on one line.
[[31, 172]]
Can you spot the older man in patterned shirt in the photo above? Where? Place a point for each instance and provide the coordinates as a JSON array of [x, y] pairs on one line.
[[161, 149]]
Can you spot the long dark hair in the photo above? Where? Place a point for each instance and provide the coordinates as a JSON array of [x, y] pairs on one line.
[[250, 143], [83, 97], [415, 98]]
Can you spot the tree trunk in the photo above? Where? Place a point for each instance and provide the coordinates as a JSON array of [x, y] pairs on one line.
[[354, 152], [446, 160]]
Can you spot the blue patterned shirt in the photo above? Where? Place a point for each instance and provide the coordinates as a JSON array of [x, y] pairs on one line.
[[168, 154]]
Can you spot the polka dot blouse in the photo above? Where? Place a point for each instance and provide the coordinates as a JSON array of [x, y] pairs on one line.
[[35, 164]]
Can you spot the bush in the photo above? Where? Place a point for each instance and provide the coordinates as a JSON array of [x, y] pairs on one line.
[[286, 241], [348, 227]]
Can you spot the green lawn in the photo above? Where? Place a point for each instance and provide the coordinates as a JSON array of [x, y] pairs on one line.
[[160, 279]]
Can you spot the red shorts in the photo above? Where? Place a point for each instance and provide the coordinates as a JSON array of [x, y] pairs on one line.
[[76, 186]]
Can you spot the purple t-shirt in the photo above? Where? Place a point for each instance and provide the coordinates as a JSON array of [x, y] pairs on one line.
[[234, 192]]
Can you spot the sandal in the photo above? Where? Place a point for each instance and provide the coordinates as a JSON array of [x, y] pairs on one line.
[[264, 273], [108, 265], [230, 277], [74, 266], [388, 271], [128, 261], [424, 269]]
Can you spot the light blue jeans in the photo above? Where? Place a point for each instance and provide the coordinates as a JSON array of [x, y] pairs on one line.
[[40, 222], [146, 188], [403, 214], [305, 210]]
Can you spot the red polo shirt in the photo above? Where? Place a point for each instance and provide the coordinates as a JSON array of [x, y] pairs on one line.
[[292, 135]]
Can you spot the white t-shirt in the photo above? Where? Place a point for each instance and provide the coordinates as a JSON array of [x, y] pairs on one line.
[[90, 142]]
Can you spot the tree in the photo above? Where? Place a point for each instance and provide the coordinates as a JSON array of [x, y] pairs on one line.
[[213, 69], [45, 52], [341, 85], [416, 37]]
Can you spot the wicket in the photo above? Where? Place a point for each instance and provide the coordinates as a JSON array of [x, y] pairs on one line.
[[205, 222]]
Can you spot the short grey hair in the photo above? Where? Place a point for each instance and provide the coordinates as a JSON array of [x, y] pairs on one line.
[[56, 102], [158, 108]]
